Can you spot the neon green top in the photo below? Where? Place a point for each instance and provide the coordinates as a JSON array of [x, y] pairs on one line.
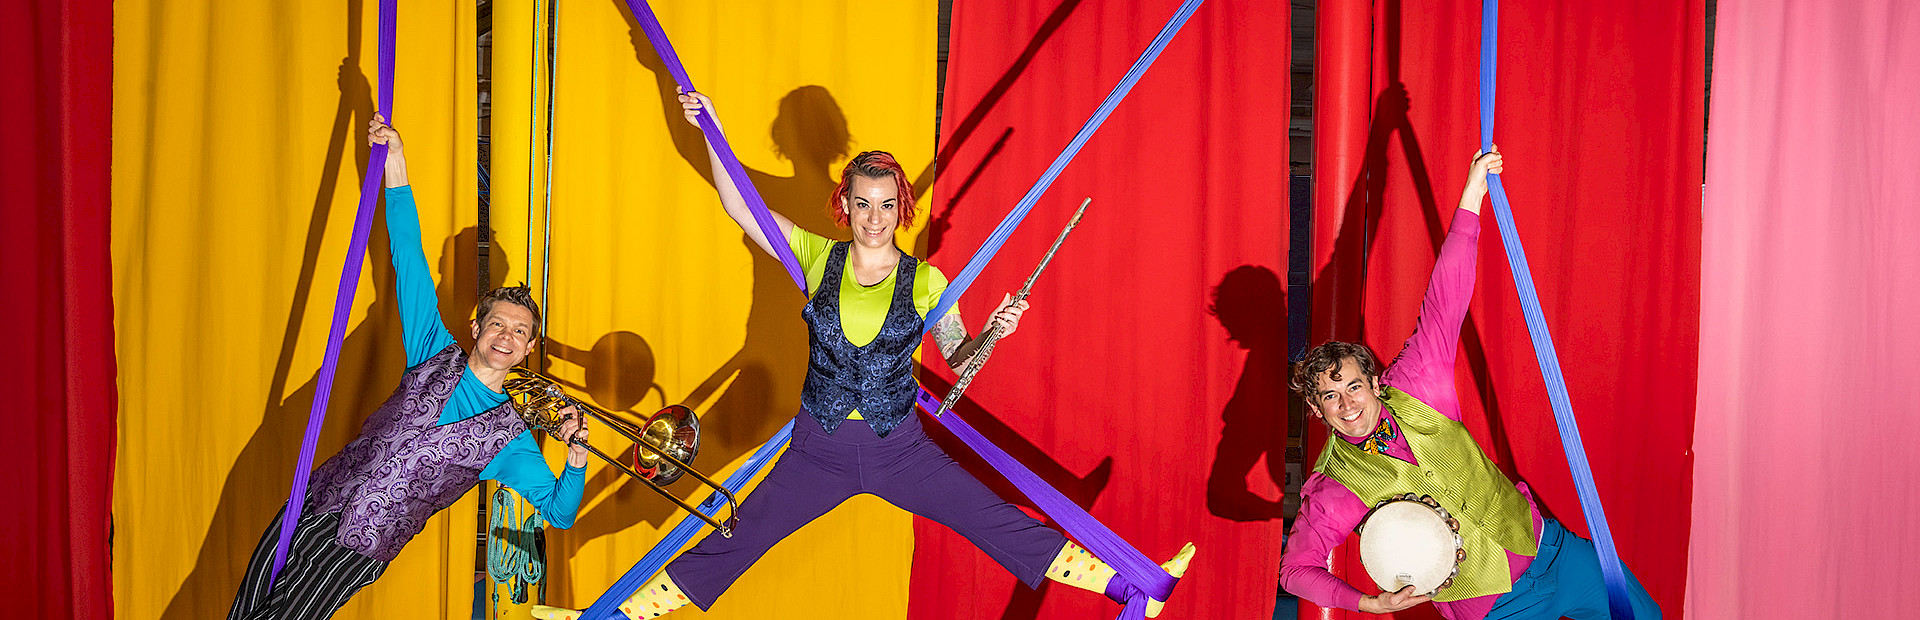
[[864, 308]]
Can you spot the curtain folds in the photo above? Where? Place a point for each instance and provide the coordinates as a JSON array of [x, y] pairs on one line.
[[1147, 381], [1807, 290], [59, 442]]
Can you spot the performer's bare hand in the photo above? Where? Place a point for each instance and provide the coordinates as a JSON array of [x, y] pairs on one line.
[[573, 430], [1008, 314], [1484, 163], [1387, 603], [694, 104], [379, 133]]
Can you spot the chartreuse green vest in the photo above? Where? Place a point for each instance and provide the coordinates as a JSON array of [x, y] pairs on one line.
[[1493, 517]]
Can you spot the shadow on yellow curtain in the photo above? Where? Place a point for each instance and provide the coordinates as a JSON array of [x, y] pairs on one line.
[[655, 297], [239, 141]]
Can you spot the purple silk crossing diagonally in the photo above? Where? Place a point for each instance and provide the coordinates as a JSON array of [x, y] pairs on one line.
[[343, 299], [762, 217], [1142, 577], [1007, 225]]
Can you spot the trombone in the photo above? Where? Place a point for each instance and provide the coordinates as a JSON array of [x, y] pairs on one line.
[[662, 446]]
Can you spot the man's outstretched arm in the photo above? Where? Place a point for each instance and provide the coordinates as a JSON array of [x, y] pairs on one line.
[[1424, 367], [422, 329]]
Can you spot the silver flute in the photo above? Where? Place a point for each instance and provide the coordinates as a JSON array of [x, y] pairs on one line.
[[992, 333]]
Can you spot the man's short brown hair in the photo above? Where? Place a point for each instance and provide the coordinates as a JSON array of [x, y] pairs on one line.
[[516, 295]]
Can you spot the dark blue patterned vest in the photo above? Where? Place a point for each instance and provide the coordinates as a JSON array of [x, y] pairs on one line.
[[404, 467], [876, 379]]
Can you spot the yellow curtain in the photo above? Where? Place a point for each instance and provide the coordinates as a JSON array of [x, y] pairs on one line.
[[239, 137], [654, 296]]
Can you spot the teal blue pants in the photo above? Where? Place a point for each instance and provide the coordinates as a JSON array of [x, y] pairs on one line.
[[1564, 580]]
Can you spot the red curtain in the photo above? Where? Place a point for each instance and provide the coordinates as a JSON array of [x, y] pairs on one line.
[[1600, 114], [1809, 285], [59, 442], [1122, 383]]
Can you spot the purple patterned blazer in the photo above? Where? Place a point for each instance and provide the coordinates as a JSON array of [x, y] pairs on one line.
[[405, 467]]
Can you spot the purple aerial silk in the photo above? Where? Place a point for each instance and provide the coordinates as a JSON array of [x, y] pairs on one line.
[[735, 170], [343, 300]]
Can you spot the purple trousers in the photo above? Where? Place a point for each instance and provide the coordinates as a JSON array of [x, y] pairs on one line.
[[819, 471]]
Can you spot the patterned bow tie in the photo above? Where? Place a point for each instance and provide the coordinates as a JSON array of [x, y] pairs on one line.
[[1381, 439]]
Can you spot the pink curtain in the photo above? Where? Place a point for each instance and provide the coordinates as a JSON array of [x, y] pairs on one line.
[[1804, 482]]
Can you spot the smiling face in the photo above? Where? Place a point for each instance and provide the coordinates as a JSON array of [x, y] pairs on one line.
[[1347, 399], [873, 210], [503, 336]]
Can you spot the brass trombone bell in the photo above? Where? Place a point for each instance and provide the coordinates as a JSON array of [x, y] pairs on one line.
[[663, 445], [678, 430]]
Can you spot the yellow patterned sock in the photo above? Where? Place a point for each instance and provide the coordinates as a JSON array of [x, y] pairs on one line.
[[653, 600], [1077, 568], [1176, 567]]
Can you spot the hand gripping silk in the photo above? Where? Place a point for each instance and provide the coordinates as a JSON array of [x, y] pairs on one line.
[[405, 466]]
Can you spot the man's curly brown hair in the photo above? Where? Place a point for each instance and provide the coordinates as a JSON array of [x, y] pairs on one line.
[[1326, 358]]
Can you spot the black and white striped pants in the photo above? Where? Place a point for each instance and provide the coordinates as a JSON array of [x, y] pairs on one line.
[[319, 577]]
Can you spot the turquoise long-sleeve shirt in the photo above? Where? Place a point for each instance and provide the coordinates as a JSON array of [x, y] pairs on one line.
[[519, 465]]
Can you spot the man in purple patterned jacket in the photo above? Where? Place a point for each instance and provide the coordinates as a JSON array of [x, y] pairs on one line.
[[448, 426]]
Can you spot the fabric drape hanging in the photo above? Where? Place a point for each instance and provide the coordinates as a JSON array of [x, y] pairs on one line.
[[1809, 281], [54, 257], [1148, 353]]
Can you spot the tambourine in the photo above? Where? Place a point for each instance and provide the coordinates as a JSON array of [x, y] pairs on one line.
[[1409, 540]]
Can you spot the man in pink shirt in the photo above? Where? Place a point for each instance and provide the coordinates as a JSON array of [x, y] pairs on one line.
[[1399, 431]]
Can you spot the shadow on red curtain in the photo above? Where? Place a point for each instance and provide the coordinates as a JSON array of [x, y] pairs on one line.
[[1600, 115], [1156, 337], [54, 257]]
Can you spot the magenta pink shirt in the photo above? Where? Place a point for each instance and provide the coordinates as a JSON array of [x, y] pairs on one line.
[[1424, 370]]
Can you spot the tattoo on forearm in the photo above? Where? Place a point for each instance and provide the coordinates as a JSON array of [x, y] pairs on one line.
[[949, 333]]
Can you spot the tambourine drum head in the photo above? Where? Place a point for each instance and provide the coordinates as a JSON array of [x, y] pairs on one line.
[[676, 430], [1407, 543]]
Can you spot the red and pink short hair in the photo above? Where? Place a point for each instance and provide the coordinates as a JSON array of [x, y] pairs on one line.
[[873, 165]]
